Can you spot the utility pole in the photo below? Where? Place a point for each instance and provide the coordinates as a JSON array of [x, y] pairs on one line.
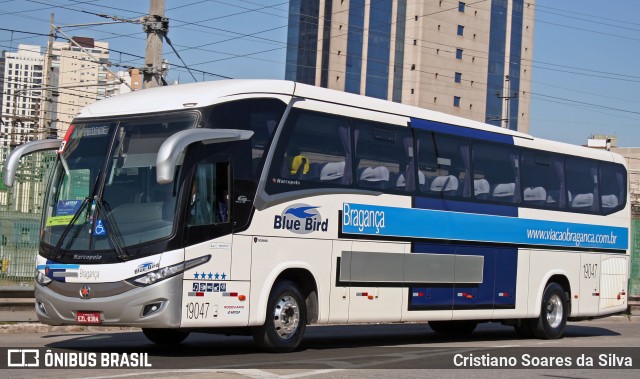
[[507, 100], [47, 106], [156, 26]]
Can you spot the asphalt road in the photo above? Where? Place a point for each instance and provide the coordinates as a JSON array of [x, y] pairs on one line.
[[398, 350]]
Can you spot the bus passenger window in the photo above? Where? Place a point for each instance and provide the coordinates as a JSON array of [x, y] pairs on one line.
[[542, 180], [582, 185], [314, 151], [444, 162], [612, 187], [384, 156], [499, 166]]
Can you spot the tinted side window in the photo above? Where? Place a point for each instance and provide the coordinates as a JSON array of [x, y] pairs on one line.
[[208, 200], [496, 168], [384, 157], [314, 151], [261, 116], [543, 180], [582, 184], [613, 191], [443, 166]]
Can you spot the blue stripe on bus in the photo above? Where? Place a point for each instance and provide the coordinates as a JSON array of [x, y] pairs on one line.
[[497, 290], [57, 271], [465, 206], [382, 221], [57, 266], [434, 126]]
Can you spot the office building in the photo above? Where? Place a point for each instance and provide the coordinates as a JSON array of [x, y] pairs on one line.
[[469, 59]]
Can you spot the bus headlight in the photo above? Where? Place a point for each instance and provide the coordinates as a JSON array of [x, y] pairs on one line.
[[42, 279], [167, 272]]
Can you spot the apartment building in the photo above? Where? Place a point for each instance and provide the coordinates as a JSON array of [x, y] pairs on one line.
[[81, 78], [21, 76]]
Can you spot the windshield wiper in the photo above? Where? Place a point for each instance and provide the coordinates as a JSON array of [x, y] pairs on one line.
[[67, 229], [75, 217], [91, 213], [113, 233]]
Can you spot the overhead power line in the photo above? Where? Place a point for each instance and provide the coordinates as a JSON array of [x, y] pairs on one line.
[[533, 63], [179, 57]]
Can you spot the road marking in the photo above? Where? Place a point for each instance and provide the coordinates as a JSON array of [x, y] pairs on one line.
[[251, 373]]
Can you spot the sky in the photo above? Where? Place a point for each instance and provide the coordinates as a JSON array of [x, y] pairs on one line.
[[585, 54]]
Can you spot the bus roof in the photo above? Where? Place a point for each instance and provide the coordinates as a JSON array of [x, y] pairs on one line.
[[186, 96], [183, 96]]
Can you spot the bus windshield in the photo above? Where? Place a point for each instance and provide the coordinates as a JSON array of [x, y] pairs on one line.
[[104, 193]]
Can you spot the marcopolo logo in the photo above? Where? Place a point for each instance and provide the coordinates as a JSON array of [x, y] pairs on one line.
[[301, 219]]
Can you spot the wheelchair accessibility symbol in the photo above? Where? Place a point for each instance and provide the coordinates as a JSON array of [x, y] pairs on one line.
[[100, 230]]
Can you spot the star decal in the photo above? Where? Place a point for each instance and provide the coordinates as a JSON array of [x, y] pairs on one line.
[[202, 275], [217, 276], [210, 276], [195, 276], [224, 276]]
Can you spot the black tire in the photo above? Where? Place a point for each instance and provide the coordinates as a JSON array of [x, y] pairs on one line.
[[165, 337], [554, 311], [454, 328], [286, 319], [523, 329]]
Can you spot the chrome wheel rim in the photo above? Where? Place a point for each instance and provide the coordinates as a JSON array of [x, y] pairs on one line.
[[555, 311], [286, 317]]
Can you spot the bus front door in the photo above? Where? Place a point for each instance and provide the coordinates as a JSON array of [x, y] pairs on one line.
[[207, 289]]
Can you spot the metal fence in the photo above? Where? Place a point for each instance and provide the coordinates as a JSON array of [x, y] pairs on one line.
[[634, 285], [20, 213]]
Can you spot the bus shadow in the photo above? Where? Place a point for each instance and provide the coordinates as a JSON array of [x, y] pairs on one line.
[[399, 335], [316, 338]]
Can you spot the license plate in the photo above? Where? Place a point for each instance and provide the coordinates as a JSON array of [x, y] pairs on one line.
[[88, 317]]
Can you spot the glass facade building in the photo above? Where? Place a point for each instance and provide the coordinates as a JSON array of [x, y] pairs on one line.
[[354, 46], [302, 41], [379, 49], [499, 92], [414, 52]]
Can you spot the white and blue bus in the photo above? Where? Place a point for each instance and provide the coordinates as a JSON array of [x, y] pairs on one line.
[[264, 206]]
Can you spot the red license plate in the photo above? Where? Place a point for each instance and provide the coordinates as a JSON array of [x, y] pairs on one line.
[[88, 317]]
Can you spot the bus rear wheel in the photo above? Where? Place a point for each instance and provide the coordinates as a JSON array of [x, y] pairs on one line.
[[553, 313], [286, 319], [165, 337], [454, 328]]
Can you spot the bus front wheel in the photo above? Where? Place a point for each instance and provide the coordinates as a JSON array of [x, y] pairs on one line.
[[286, 319], [166, 337], [553, 313]]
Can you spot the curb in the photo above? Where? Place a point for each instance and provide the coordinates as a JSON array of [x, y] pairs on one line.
[[17, 292], [36, 327]]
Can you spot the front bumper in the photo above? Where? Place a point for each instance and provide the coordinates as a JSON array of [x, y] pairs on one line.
[[122, 309]]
